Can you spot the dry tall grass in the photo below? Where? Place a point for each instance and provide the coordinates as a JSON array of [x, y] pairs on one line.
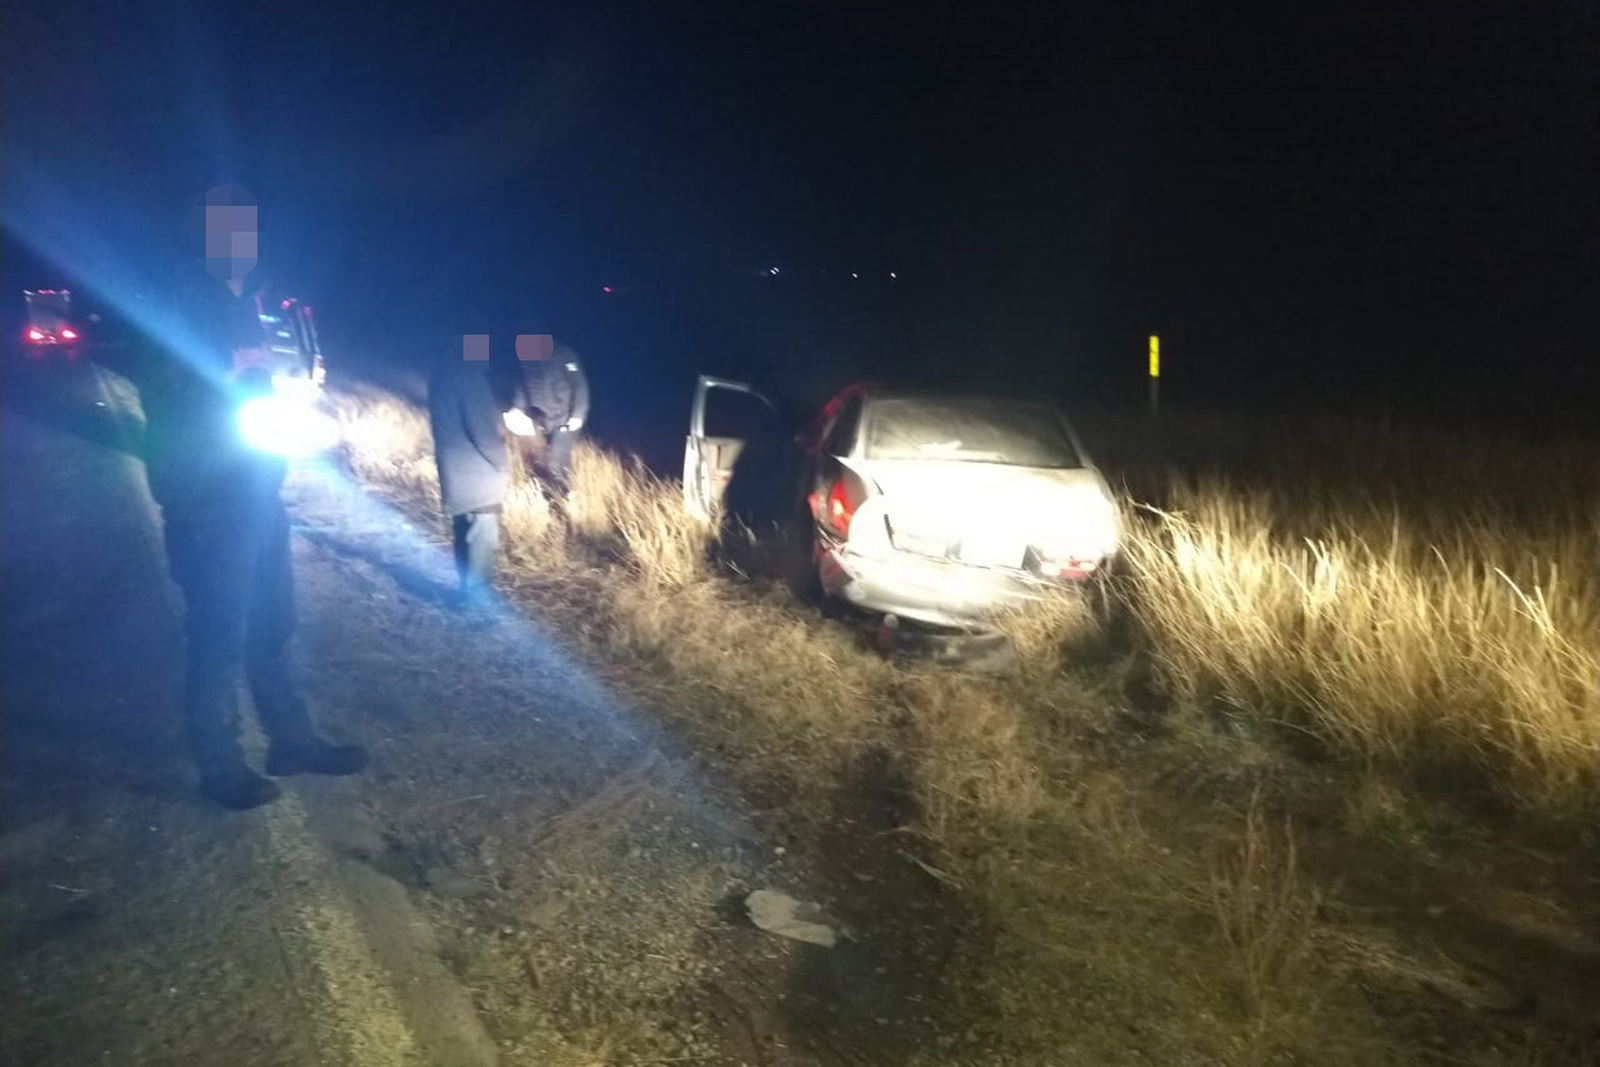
[[1404, 650], [1472, 659]]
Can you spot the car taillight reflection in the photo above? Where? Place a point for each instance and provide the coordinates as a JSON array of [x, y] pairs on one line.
[[36, 335], [68, 333], [1068, 569]]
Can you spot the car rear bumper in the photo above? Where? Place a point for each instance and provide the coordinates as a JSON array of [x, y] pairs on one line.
[[927, 590]]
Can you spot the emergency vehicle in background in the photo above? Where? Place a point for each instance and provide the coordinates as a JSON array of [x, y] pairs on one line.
[[293, 418], [50, 330], [291, 337]]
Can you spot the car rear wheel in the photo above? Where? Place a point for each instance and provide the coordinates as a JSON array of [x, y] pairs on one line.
[[800, 560]]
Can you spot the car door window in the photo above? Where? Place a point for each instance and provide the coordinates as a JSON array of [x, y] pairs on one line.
[[737, 415], [839, 438], [814, 434]]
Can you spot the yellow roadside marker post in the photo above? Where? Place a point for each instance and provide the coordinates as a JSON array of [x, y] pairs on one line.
[[1155, 374]]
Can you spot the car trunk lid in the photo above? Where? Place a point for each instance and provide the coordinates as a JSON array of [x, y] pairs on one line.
[[985, 514]]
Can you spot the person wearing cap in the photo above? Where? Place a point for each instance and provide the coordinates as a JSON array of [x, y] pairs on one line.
[[558, 391]]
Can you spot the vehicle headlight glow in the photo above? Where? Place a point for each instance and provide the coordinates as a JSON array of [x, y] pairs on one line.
[[285, 424]]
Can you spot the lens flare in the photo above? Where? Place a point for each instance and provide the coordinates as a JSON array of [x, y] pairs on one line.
[[286, 425]]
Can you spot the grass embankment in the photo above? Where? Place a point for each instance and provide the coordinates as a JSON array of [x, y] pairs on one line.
[[1131, 890]]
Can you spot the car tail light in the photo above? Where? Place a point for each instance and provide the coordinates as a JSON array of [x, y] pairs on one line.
[[68, 333], [36, 336], [835, 508]]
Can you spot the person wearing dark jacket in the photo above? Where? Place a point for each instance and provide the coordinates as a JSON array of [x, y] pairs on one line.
[[227, 543], [469, 400], [559, 390]]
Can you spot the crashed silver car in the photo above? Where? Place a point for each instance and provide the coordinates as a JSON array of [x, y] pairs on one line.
[[942, 509]]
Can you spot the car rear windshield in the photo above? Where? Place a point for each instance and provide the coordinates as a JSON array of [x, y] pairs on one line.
[[972, 431]]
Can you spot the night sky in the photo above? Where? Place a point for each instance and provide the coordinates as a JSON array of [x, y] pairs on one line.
[[1364, 201]]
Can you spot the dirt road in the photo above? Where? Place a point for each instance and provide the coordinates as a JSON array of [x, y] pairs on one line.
[[529, 873], [141, 925]]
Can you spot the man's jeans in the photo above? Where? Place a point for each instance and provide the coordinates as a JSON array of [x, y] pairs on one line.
[[477, 542], [232, 563], [558, 459]]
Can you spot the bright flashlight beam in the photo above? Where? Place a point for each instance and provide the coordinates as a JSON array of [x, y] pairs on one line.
[[52, 222], [286, 426], [612, 726], [40, 209]]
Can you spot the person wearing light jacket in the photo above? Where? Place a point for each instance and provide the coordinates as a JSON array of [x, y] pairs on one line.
[[559, 390]]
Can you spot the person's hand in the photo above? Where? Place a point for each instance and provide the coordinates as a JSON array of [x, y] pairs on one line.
[[517, 422], [572, 424]]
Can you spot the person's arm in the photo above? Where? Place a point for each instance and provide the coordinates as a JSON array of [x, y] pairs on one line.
[[520, 416], [480, 417], [580, 396]]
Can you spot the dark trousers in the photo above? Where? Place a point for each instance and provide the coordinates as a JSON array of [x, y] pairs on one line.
[[558, 457], [477, 542], [232, 563]]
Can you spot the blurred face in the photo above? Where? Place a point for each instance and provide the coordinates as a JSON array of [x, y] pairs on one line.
[[535, 347], [231, 233]]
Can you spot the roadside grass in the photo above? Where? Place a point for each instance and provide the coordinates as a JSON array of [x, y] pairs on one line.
[[1470, 663], [1420, 603], [1114, 919]]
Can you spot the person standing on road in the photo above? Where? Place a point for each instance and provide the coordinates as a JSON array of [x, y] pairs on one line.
[[471, 398], [559, 390], [226, 530]]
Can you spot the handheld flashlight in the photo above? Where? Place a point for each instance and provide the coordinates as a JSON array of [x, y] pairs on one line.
[[283, 417]]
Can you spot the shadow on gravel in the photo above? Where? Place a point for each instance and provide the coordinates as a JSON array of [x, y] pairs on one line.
[[67, 398], [67, 919], [416, 582], [64, 744]]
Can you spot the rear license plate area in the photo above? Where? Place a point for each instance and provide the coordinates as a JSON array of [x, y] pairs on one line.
[[920, 544], [991, 552]]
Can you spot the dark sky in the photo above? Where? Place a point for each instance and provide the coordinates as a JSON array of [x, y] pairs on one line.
[[1283, 190]]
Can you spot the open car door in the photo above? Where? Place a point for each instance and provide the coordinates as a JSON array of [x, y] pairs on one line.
[[736, 412]]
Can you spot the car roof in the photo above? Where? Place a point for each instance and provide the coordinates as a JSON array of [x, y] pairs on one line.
[[876, 391]]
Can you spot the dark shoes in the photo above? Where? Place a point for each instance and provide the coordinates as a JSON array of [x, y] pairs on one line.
[[239, 788], [315, 756]]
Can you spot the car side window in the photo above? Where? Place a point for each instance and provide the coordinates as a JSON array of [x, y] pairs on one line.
[[816, 433], [839, 438]]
